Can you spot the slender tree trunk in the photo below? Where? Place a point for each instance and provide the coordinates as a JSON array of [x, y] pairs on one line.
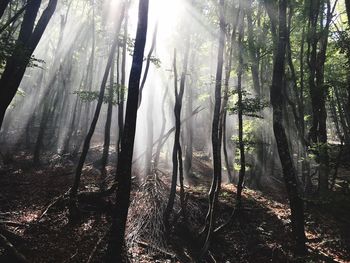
[[28, 39], [148, 63], [70, 133], [91, 131], [3, 6], [177, 113], [289, 174], [343, 122], [254, 54], [52, 89], [121, 90], [223, 120], [115, 250], [149, 148], [89, 80], [12, 19], [177, 151], [162, 130], [318, 43], [347, 6], [216, 140], [107, 135], [240, 111]]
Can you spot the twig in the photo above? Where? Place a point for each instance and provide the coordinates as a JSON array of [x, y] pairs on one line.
[[11, 250], [13, 223], [233, 215], [95, 248], [211, 256], [11, 235], [145, 244], [55, 201]]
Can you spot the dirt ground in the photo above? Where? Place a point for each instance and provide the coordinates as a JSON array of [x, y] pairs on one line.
[[260, 233]]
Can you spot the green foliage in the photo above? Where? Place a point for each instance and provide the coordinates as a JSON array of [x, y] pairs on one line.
[[203, 97], [6, 49], [130, 44], [155, 61], [89, 96], [343, 42], [8, 46], [251, 106], [316, 149]]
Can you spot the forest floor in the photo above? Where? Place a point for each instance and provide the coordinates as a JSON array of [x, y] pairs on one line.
[[260, 233]]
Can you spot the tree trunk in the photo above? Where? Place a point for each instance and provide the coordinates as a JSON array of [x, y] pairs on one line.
[[115, 250], [226, 96], [122, 88], [318, 44], [107, 135], [289, 174], [28, 39], [216, 140], [240, 111], [149, 148], [3, 6], [91, 131], [177, 151], [162, 130], [148, 63]]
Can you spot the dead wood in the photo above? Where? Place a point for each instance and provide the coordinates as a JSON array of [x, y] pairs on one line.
[[11, 250]]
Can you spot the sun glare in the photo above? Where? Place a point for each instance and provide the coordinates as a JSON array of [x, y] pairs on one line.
[[168, 12]]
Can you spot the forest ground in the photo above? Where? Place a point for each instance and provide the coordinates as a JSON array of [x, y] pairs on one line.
[[260, 233]]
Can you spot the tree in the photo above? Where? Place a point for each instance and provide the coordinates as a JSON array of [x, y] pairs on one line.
[[86, 146], [216, 140], [317, 44], [240, 110], [28, 38], [115, 250], [177, 150], [107, 135], [3, 6], [120, 93], [289, 173]]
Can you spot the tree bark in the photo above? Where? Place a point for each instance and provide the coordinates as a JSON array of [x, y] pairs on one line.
[[28, 40], [121, 93], [162, 130], [115, 250], [107, 135], [240, 111], [3, 6], [91, 131], [149, 148], [216, 140], [289, 173]]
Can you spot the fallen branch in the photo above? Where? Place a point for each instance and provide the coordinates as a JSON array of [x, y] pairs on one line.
[[229, 221], [13, 223], [11, 235], [53, 202], [11, 250], [147, 245], [211, 256], [96, 247]]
